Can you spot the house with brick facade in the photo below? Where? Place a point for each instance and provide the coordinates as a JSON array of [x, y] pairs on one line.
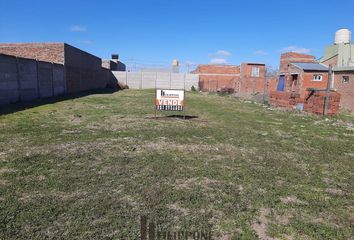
[[301, 83], [297, 77]]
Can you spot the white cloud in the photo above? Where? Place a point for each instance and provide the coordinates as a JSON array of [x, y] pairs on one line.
[[218, 61], [296, 49], [260, 53], [219, 57], [78, 28], [223, 53], [220, 54]]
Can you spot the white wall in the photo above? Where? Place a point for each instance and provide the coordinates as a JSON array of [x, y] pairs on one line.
[[150, 80]]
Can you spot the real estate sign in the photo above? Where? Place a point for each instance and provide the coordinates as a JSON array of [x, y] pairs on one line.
[[169, 100]]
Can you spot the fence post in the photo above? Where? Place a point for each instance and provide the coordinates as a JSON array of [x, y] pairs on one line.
[[141, 81]]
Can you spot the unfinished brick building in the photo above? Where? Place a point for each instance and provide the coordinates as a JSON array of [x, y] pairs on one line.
[[82, 71], [247, 78], [252, 78], [301, 83], [215, 77]]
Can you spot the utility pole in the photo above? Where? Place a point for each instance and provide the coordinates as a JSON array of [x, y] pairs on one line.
[[330, 75]]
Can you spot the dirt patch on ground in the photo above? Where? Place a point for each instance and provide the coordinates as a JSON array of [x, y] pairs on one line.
[[283, 219], [260, 226], [76, 119], [334, 191], [7, 170]]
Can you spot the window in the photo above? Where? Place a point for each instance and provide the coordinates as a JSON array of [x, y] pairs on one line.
[[345, 79], [317, 77], [255, 72]]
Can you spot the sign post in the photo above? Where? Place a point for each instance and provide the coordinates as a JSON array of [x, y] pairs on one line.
[[170, 100]]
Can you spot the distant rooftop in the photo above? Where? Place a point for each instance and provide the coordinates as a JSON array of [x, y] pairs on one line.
[[311, 66]]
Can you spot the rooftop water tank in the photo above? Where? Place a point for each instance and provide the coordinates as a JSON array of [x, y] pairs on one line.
[[175, 62], [343, 35]]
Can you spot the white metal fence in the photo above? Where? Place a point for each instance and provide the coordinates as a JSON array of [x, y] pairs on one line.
[[165, 80]]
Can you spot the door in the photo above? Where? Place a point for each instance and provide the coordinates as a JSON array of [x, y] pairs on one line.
[[281, 84]]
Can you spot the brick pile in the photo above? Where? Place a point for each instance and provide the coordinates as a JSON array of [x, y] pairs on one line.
[[315, 102], [284, 99]]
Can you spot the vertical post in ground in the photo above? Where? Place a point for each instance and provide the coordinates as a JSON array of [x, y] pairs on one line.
[[325, 111]]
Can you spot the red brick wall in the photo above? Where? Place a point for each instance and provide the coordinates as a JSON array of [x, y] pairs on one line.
[[249, 84], [287, 58], [345, 89], [313, 102], [47, 52], [271, 84], [307, 82], [304, 81], [215, 77], [222, 69]]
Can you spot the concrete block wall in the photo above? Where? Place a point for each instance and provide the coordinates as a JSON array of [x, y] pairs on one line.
[[9, 87], [27, 70], [150, 80], [59, 84], [83, 71], [45, 80], [24, 79]]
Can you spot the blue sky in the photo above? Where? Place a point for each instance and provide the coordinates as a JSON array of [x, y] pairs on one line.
[[152, 33]]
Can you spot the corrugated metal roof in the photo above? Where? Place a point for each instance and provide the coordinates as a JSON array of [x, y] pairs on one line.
[[311, 66]]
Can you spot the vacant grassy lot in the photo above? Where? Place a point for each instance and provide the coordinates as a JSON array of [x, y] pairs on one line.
[[88, 168]]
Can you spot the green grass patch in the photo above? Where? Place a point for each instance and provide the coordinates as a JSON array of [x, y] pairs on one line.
[[88, 168]]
